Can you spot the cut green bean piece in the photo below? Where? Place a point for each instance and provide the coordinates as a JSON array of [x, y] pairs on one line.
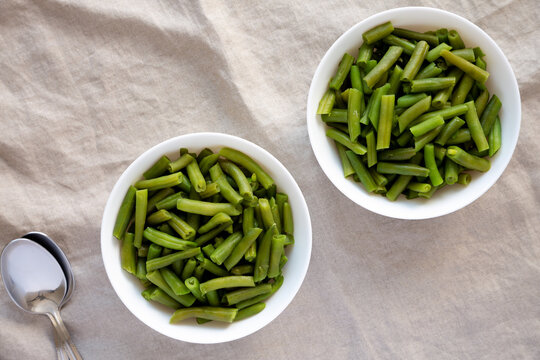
[[205, 312], [467, 67], [442, 34], [212, 189], [402, 181], [206, 208], [160, 262], [409, 100], [408, 47], [227, 282], [158, 169], [204, 238], [189, 267], [346, 165], [225, 249], [327, 102], [495, 137], [336, 116], [154, 251], [461, 136], [397, 154], [166, 240], [344, 140], [288, 225], [427, 125], [245, 161], [180, 163], [241, 248], [473, 123], [234, 297], [490, 114], [266, 213], [375, 108], [353, 113], [170, 201], [467, 54], [429, 71], [442, 96], [451, 172], [371, 150], [276, 250], [124, 214], [413, 113], [446, 113], [174, 282], [402, 169], [421, 141], [215, 221], [249, 311], [464, 179], [462, 90], [364, 55], [419, 187], [448, 130], [342, 72], [361, 171], [481, 102], [181, 227], [141, 200], [384, 130], [435, 53], [433, 40], [394, 80], [248, 219], [157, 279], [127, 254], [356, 79], [158, 217], [246, 269], [263, 255], [213, 298], [244, 188], [468, 161], [196, 177], [429, 158], [415, 61], [432, 84], [377, 33], [157, 197], [154, 293], [193, 285], [455, 40], [386, 62], [226, 189], [160, 182]]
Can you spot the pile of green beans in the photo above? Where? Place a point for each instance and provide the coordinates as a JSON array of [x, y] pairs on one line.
[[411, 113], [206, 235]]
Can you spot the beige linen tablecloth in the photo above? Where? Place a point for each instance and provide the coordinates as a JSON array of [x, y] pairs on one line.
[[86, 86]]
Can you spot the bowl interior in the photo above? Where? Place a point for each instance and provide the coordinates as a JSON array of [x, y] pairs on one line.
[[501, 82], [156, 316]]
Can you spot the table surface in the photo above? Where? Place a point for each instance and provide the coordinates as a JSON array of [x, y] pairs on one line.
[[86, 86]]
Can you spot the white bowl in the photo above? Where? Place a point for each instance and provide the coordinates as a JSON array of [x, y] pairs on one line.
[[128, 288], [501, 82]]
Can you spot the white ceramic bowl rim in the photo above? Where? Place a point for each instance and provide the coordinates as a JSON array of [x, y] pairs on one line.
[[501, 82], [156, 316]]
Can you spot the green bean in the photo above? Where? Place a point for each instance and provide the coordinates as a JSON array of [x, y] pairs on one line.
[[176, 285], [160, 195], [413, 112], [467, 54], [347, 168], [361, 171], [227, 282], [386, 62], [180, 163], [495, 137], [490, 114], [275, 213], [205, 312], [468, 161], [413, 35], [141, 269], [404, 138], [402, 181], [206, 208], [379, 179], [156, 278], [473, 123], [288, 225], [189, 267], [196, 177], [461, 136], [371, 150], [181, 227], [408, 47], [429, 158], [248, 219], [429, 194], [336, 116], [464, 179], [455, 40], [216, 220], [208, 250], [170, 201], [160, 262], [448, 130], [127, 254], [327, 102], [446, 113], [204, 238], [442, 34], [154, 251], [213, 298], [409, 100], [236, 296], [353, 113], [384, 131], [342, 72], [427, 125], [463, 88], [442, 96], [178, 266], [421, 141], [364, 54], [397, 154], [356, 80], [158, 168], [435, 53], [242, 247], [246, 162], [263, 255], [249, 311], [244, 188], [125, 213], [467, 67], [156, 294], [142, 251], [206, 163], [266, 213], [374, 110], [198, 273], [394, 80], [166, 240], [141, 200], [451, 172], [212, 189], [160, 182], [402, 169], [429, 71], [225, 249], [419, 187], [242, 269], [193, 285], [276, 249], [481, 102], [377, 33], [204, 153], [344, 140], [415, 61], [432, 84], [158, 217]]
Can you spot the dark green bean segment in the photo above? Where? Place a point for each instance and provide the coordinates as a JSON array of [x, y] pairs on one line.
[[354, 108], [451, 172], [361, 171], [429, 158], [228, 192], [468, 161], [248, 163], [127, 254], [160, 182], [170, 201], [464, 179], [421, 141], [157, 279], [432, 84], [158, 169], [167, 260], [244, 188], [397, 154], [141, 200], [455, 40], [490, 114], [467, 54], [193, 285], [433, 40], [174, 282], [413, 112], [342, 72], [207, 208], [461, 136], [473, 123], [158, 217], [495, 137], [124, 214], [408, 47], [216, 220], [467, 67], [435, 53], [153, 293], [166, 240], [386, 62], [249, 311], [276, 250], [336, 116], [429, 71], [205, 312], [241, 248], [180, 163], [386, 117], [344, 140], [234, 297], [377, 33], [364, 55], [402, 169], [448, 130], [415, 61], [181, 227], [371, 151], [227, 282]]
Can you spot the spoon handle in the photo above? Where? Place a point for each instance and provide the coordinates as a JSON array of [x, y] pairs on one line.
[[64, 340]]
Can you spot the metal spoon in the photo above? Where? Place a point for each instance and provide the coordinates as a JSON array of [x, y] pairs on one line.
[[36, 283], [55, 250]]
